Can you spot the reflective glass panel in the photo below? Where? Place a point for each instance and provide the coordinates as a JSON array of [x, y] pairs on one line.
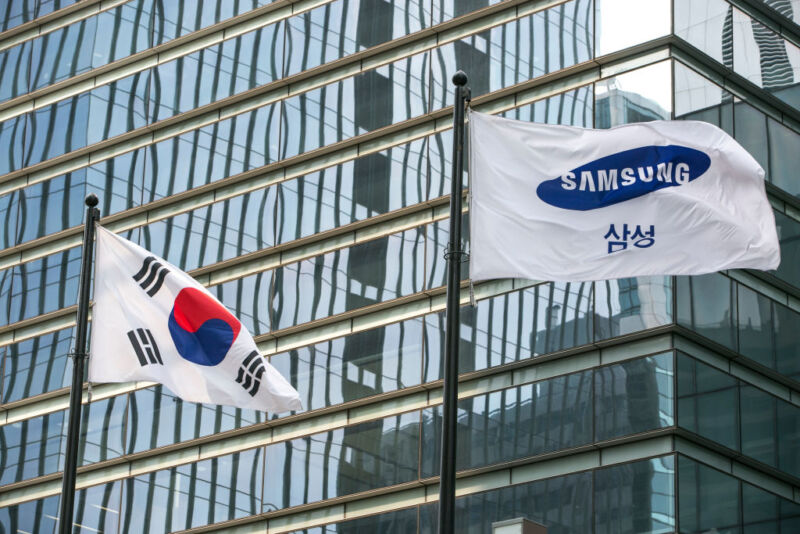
[[349, 368], [706, 24], [344, 461], [156, 418], [632, 304], [16, 12], [634, 396], [696, 98], [174, 19], [45, 285], [14, 71], [62, 53], [192, 495], [37, 366], [707, 305], [623, 23], [640, 95], [788, 234], [635, 497]]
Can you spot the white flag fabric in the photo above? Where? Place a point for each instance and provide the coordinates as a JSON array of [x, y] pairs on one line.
[[571, 204], [151, 321]]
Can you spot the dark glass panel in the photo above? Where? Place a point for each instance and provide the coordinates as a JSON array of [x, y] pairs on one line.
[[707, 499], [707, 305], [37, 366], [217, 72], [784, 160], [214, 233], [750, 128], [789, 237], [437, 238], [210, 153], [398, 522], [787, 339], [349, 460], [515, 326], [157, 418], [45, 285], [759, 428], [708, 402], [6, 279], [562, 504], [788, 437], [634, 397], [635, 497], [756, 328], [514, 423], [632, 304], [363, 364], [368, 186], [365, 274], [193, 495]]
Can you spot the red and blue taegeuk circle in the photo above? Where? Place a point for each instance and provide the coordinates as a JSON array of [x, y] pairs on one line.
[[201, 328]]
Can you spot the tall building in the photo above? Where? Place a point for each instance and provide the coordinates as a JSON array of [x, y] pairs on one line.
[[295, 157]]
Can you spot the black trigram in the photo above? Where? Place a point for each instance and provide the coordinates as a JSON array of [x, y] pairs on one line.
[[250, 373], [155, 275], [145, 346]]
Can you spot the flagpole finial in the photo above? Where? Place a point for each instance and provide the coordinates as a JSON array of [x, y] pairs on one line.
[[92, 200], [460, 78]]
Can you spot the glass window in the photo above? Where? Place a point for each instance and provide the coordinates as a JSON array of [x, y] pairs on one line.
[[31, 447], [341, 28], [396, 522], [344, 461], [635, 497], [788, 234], [61, 198], [14, 144], [45, 285], [709, 499], [562, 504], [514, 423], [14, 70], [787, 339], [192, 495], [518, 325], [756, 329], [211, 153], [624, 23], [514, 52], [706, 24], [131, 27], [707, 305], [708, 402], [156, 418], [356, 366], [17, 12], [62, 53], [214, 233], [6, 278], [174, 19], [217, 72], [640, 95], [765, 58], [37, 365], [696, 98], [9, 206], [631, 304], [365, 187], [249, 299], [365, 274], [57, 129], [633, 396]]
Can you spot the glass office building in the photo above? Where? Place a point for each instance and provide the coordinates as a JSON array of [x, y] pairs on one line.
[[295, 156]]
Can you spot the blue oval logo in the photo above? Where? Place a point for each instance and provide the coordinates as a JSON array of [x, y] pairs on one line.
[[623, 176]]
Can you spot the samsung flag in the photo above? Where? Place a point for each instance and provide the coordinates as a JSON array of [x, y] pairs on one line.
[[151, 321], [655, 198]]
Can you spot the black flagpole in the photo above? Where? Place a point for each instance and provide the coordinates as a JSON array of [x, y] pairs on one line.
[[79, 361], [454, 255]]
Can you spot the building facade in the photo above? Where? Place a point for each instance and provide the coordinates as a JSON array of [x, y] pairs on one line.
[[295, 156]]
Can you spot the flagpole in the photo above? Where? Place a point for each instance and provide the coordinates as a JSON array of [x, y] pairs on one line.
[[79, 361], [454, 255]]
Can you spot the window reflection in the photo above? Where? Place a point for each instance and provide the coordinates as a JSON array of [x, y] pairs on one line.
[[344, 461], [37, 366], [45, 285], [638, 96], [345, 369], [624, 23]]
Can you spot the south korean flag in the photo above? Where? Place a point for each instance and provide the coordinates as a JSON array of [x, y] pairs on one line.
[[153, 322]]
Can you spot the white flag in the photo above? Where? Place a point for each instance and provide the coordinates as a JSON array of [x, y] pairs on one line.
[[655, 198], [152, 321]]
